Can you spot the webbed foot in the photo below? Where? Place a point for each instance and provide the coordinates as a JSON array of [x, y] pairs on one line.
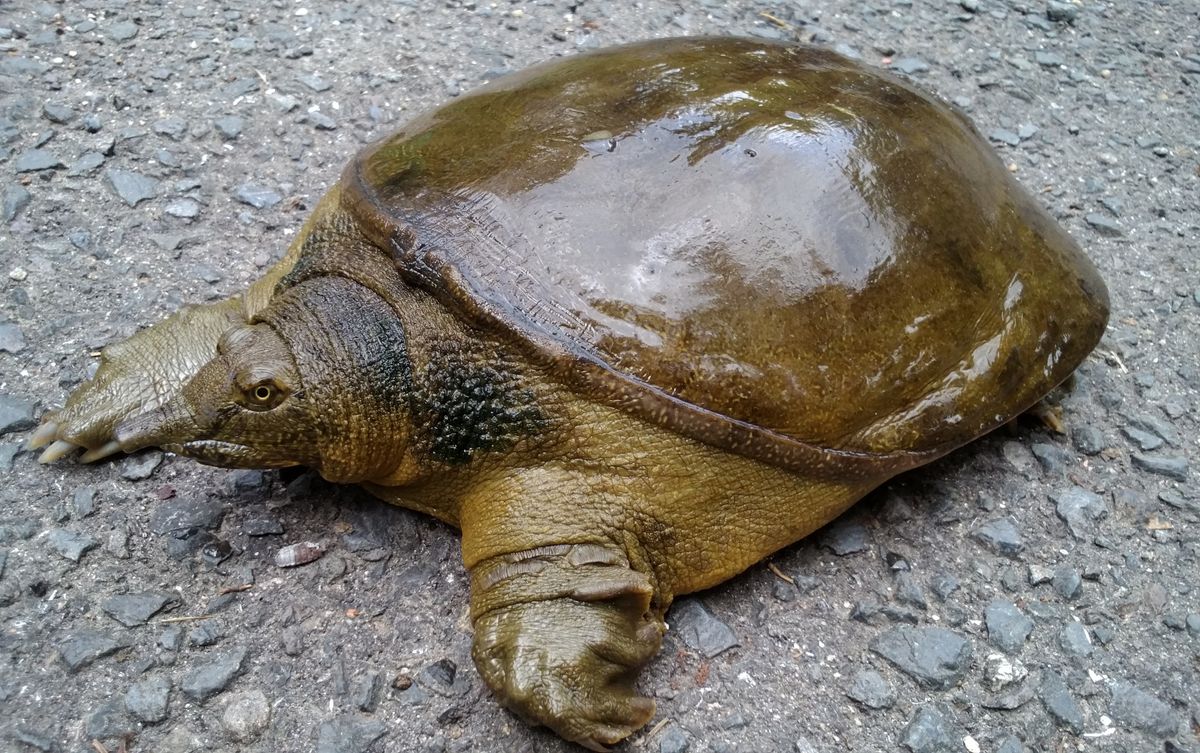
[[560, 636]]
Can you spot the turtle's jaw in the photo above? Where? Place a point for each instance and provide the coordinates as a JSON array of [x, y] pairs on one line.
[[227, 454], [176, 428]]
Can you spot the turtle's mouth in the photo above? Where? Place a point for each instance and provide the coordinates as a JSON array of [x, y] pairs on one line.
[[227, 454]]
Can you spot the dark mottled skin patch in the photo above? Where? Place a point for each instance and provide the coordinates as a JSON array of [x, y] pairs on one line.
[[472, 402]]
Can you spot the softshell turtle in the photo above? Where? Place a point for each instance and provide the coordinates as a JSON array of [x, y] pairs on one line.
[[632, 320]]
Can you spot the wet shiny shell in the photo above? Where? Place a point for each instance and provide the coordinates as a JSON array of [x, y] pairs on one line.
[[768, 247]]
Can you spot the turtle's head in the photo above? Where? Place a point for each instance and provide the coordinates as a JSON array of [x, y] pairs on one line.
[[318, 380]]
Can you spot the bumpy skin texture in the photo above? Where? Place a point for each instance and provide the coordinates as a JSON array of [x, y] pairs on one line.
[[632, 321]]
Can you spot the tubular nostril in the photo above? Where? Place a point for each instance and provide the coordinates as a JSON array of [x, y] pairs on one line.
[[143, 430]]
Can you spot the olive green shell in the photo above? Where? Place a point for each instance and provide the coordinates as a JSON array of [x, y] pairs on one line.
[[765, 246]]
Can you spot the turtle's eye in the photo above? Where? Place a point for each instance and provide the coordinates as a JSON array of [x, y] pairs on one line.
[[264, 396]]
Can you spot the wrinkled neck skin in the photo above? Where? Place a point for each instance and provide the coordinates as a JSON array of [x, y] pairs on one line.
[[349, 350]]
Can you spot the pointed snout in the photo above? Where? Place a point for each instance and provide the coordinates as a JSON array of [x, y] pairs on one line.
[[168, 424]]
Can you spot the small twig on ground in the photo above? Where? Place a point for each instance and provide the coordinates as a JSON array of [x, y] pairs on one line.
[[775, 20], [653, 731], [190, 618], [782, 575]]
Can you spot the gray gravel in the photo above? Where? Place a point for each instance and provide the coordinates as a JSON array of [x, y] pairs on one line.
[[153, 154]]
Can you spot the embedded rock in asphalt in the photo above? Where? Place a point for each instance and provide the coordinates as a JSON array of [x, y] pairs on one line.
[[1135, 708], [871, 690], [1007, 626], [1060, 704], [213, 675], [16, 414], [1171, 466], [673, 740], [70, 544], [246, 715], [934, 657], [134, 609], [931, 730], [148, 699], [83, 647], [348, 734], [1079, 509], [700, 629], [1002, 535], [846, 537], [183, 513], [132, 187], [108, 720], [1075, 641]]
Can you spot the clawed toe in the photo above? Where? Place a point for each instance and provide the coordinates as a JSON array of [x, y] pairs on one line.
[[52, 435], [57, 451], [43, 435], [111, 447]]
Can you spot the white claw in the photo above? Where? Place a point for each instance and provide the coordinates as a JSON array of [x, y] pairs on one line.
[[57, 451], [43, 435], [108, 448]]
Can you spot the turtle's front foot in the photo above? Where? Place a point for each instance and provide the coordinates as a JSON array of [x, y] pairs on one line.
[[136, 375], [567, 652]]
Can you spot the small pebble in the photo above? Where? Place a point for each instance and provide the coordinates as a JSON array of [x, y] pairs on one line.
[[141, 466], [935, 657], [1133, 707], [700, 629], [257, 196], [58, 113], [148, 699], [12, 340], [70, 544], [132, 187], [871, 690], [672, 740], [1008, 627], [213, 675], [109, 720], [348, 734], [1002, 671], [230, 126], [1089, 440], [1067, 582], [910, 65], [930, 730], [183, 208], [1171, 466], [1080, 509], [321, 121], [1060, 704], [16, 198], [122, 31], [1002, 535], [83, 647], [845, 537], [1074, 640], [246, 715], [135, 609], [1104, 225], [1062, 11]]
